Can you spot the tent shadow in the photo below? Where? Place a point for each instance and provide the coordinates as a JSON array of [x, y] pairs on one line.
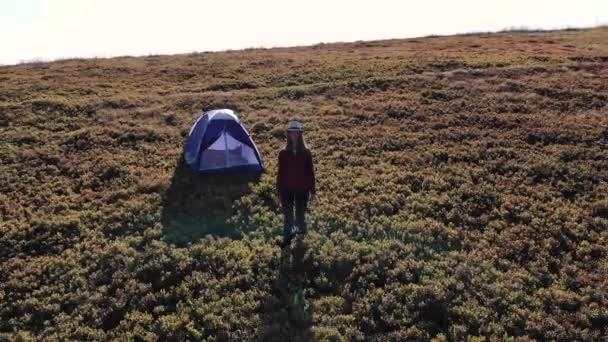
[[197, 205]]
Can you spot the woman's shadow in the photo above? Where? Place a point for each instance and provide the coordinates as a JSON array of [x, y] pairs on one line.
[[196, 205], [287, 312]]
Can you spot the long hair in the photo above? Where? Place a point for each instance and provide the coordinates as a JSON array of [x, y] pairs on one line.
[[300, 145]]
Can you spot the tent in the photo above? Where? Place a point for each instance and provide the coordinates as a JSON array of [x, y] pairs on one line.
[[219, 143]]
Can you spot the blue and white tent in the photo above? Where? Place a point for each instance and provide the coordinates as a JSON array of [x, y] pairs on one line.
[[219, 143]]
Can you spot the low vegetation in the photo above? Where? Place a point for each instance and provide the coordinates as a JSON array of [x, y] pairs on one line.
[[461, 194]]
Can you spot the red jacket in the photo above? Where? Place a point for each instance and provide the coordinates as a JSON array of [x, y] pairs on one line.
[[296, 172]]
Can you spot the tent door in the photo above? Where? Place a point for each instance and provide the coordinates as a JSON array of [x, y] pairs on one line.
[[227, 152]]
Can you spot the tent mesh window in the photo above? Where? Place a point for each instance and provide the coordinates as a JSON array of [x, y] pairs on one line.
[[226, 151]]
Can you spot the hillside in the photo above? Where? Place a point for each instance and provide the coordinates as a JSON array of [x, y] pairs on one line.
[[461, 194]]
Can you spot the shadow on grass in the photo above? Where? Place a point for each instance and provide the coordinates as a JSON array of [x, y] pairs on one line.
[[197, 205], [287, 313]]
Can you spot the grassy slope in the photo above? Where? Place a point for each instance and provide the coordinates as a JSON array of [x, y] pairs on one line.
[[461, 193]]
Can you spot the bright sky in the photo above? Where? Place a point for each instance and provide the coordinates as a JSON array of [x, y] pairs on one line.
[[51, 29]]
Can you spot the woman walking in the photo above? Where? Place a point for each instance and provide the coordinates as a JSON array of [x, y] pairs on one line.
[[295, 182]]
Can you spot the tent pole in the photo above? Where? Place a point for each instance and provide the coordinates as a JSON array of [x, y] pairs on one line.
[[225, 145]]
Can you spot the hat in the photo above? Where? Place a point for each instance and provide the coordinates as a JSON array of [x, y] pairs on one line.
[[294, 125]]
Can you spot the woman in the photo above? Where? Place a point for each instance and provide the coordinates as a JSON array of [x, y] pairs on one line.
[[295, 181]]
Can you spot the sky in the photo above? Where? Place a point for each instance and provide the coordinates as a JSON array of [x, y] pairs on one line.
[[53, 29]]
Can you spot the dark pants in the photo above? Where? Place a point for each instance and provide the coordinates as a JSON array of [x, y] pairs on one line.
[[289, 199]]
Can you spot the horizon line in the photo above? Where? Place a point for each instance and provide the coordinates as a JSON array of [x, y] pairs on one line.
[[515, 29]]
